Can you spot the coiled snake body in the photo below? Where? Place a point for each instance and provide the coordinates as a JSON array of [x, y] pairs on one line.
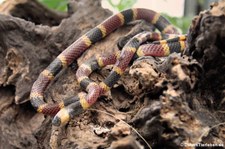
[[165, 42]]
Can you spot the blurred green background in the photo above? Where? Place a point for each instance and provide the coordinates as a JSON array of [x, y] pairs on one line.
[[181, 22], [59, 5]]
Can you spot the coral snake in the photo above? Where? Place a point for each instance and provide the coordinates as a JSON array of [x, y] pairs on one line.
[[164, 43]]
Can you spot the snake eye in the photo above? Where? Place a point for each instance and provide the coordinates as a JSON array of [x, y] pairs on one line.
[[56, 121]]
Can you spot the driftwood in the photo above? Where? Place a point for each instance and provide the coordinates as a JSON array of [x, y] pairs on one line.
[[172, 102]]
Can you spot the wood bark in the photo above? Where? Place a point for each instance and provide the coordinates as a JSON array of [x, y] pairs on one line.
[[173, 101]]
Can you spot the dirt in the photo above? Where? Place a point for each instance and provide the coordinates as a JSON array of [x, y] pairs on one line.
[[171, 102]]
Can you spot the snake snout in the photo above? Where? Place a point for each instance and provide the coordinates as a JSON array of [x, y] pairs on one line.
[[61, 118]]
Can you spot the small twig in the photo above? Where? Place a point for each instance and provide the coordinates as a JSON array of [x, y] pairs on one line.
[[204, 133], [124, 123], [221, 111]]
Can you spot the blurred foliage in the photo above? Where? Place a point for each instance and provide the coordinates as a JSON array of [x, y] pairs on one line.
[[201, 2], [122, 4], [181, 22], [60, 5]]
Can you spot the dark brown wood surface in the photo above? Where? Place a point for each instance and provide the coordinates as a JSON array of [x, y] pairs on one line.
[[169, 101]]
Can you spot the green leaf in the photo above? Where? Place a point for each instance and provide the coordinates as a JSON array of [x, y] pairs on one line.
[[60, 5], [181, 22], [123, 4]]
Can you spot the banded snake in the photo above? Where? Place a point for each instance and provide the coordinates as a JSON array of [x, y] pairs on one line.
[[164, 43]]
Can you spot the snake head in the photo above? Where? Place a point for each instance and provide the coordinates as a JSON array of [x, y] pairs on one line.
[[61, 118], [65, 114]]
